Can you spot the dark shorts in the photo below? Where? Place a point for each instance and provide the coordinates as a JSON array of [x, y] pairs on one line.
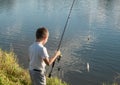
[[37, 77]]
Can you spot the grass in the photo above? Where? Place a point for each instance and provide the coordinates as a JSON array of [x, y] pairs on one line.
[[12, 74], [111, 84]]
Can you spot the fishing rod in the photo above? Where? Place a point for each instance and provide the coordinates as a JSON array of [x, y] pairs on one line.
[[59, 45]]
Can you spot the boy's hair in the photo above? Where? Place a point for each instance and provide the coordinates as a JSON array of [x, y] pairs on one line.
[[41, 33]]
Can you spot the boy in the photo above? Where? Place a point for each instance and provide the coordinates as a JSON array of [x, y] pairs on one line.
[[39, 57]]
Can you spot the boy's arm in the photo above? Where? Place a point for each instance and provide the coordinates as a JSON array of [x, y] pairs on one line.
[[50, 60]]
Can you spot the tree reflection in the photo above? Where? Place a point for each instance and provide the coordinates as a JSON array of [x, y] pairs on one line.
[[106, 4], [6, 5]]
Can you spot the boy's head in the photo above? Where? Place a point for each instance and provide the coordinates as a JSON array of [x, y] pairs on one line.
[[42, 34]]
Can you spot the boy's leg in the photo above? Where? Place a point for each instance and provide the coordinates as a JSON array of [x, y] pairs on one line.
[[37, 78]]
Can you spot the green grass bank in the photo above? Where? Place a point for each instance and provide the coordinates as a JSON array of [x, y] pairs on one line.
[[12, 74]]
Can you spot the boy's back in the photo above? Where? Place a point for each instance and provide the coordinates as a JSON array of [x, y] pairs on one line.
[[37, 53]]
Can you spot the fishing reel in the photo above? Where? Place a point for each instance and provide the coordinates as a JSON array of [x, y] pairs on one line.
[[59, 58]]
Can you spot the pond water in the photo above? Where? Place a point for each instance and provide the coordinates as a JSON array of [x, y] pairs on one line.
[[91, 37]]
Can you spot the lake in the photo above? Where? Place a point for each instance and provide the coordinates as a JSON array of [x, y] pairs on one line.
[[92, 36]]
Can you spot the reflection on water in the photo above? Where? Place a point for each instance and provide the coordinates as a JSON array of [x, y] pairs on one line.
[[6, 5], [92, 35]]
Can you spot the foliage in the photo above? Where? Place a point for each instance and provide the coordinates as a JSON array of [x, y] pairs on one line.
[[10, 71], [55, 81], [12, 74], [110, 84]]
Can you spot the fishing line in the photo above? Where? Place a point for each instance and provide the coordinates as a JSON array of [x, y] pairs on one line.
[[59, 45]]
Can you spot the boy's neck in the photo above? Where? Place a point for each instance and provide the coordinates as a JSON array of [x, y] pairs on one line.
[[39, 41]]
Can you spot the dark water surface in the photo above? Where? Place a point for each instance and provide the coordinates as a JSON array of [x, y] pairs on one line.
[[92, 36]]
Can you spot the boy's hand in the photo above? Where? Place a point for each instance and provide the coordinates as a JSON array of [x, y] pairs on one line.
[[59, 56], [58, 53]]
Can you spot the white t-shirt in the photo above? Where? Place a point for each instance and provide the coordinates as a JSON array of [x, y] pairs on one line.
[[37, 52]]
